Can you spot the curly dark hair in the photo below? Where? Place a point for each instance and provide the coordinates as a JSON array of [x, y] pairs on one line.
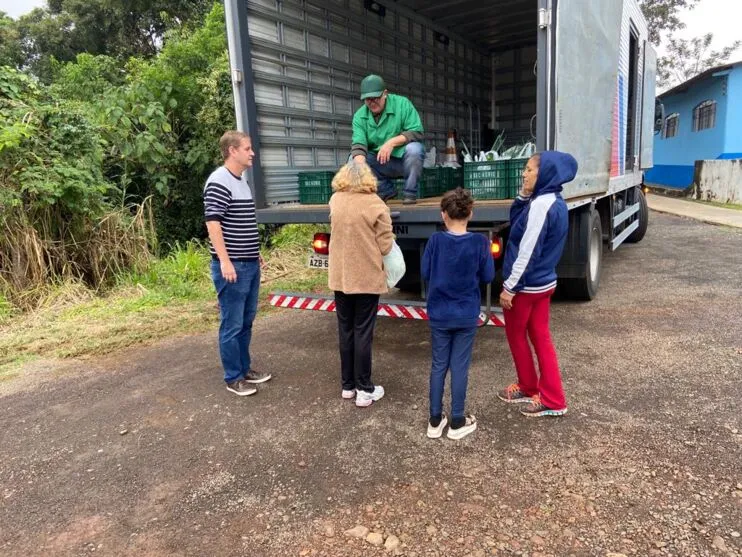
[[457, 204]]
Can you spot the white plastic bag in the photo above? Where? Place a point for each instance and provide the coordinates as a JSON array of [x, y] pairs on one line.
[[394, 265], [430, 158]]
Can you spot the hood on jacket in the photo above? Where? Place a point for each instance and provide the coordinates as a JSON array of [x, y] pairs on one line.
[[555, 169], [355, 177]]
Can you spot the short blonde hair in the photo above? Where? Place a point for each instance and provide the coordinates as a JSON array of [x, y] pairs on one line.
[[231, 138], [355, 177]]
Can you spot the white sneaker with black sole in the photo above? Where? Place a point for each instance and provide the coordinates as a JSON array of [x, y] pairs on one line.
[[436, 432], [364, 398], [460, 432]]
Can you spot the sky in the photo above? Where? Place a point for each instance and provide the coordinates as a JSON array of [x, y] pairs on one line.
[[720, 17]]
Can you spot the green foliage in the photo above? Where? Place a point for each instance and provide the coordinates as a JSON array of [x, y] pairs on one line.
[[6, 308], [136, 130], [94, 149], [11, 51], [87, 78], [50, 154], [183, 274], [193, 69], [117, 28]]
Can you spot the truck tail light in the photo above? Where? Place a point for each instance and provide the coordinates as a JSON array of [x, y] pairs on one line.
[[321, 243], [496, 248]]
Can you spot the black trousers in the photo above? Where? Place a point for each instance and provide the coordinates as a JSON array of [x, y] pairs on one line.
[[356, 319]]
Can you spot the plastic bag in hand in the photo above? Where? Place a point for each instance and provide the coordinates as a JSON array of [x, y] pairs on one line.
[[394, 266]]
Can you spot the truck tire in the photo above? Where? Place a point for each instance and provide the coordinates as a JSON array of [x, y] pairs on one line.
[[585, 287], [638, 234]]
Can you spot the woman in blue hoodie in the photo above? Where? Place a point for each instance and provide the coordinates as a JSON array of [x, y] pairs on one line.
[[538, 232], [454, 264]]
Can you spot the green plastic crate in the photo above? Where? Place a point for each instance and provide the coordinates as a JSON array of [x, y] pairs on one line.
[[434, 182], [494, 179], [315, 187], [449, 179]]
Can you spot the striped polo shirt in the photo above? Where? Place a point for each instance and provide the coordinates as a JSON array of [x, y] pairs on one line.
[[228, 199]]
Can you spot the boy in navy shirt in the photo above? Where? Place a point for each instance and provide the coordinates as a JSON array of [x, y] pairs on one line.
[[454, 264]]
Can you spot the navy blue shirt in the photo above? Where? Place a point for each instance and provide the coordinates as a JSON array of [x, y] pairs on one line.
[[454, 265]]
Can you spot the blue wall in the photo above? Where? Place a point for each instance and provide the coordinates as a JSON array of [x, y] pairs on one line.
[[675, 157], [733, 139]]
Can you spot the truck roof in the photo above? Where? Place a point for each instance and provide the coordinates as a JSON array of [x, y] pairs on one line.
[[494, 25]]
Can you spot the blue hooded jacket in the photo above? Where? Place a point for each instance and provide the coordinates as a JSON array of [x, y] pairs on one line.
[[538, 228]]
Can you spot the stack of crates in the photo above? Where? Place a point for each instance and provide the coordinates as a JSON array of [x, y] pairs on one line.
[[494, 179], [315, 187]]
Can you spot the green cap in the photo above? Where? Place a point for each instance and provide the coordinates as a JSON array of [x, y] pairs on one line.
[[372, 86]]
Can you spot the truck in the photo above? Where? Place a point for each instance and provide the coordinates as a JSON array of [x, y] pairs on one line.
[[572, 75]]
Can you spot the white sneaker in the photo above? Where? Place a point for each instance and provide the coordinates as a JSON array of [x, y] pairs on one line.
[[364, 398], [436, 432], [464, 430], [348, 393]]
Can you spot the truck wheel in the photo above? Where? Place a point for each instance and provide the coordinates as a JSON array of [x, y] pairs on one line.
[[586, 287], [638, 234]]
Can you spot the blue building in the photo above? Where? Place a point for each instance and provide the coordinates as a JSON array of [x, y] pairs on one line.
[[703, 121]]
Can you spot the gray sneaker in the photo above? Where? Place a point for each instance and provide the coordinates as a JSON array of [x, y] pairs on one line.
[[253, 376], [241, 388], [409, 200]]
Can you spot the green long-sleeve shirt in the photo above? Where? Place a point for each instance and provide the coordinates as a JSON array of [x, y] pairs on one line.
[[399, 116]]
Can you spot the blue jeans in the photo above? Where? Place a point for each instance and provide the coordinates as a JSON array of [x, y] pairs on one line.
[[238, 304], [410, 167], [452, 350]]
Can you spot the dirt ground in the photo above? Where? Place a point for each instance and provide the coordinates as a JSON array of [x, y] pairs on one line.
[[146, 453]]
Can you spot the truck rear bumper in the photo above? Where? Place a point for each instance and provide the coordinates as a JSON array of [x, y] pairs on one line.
[[397, 309]]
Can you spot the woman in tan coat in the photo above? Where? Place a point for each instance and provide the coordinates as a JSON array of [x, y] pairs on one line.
[[361, 234]]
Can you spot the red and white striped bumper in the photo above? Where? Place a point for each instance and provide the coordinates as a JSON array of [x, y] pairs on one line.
[[399, 309]]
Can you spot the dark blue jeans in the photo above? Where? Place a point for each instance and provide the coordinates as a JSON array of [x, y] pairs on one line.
[[410, 167], [238, 304], [452, 350]]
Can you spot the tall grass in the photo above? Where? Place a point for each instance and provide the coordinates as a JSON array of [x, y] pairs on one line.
[[183, 273], [42, 251]]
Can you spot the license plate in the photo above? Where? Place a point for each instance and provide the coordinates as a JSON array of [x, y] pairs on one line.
[[318, 262]]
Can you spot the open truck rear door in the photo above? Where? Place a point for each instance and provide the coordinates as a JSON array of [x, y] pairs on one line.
[[587, 55]]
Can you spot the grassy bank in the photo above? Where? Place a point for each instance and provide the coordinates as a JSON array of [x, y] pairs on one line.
[[173, 296]]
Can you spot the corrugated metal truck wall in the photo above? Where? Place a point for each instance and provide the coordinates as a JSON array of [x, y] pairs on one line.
[[308, 59]]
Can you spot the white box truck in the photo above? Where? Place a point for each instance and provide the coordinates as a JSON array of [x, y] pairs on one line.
[[572, 75]]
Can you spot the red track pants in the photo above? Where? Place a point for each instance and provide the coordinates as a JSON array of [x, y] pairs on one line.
[[529, 318]]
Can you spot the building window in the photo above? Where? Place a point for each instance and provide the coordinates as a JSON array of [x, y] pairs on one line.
[[671, 125], [704, 116]]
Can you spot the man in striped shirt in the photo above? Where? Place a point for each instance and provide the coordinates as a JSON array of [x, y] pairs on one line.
[[229, 211]]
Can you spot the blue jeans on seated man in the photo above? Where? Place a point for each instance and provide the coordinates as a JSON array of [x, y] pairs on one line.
[[238, 305], [410, 167]]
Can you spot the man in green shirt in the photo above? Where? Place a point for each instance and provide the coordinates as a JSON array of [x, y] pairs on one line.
[[387, 135]]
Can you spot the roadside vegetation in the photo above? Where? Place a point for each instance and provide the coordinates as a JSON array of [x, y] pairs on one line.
[[166, 297]]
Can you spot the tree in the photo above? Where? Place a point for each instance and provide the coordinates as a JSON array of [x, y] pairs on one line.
[[116, 28], [662, 16], [687, 58], [684, 58], [11, 53]]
